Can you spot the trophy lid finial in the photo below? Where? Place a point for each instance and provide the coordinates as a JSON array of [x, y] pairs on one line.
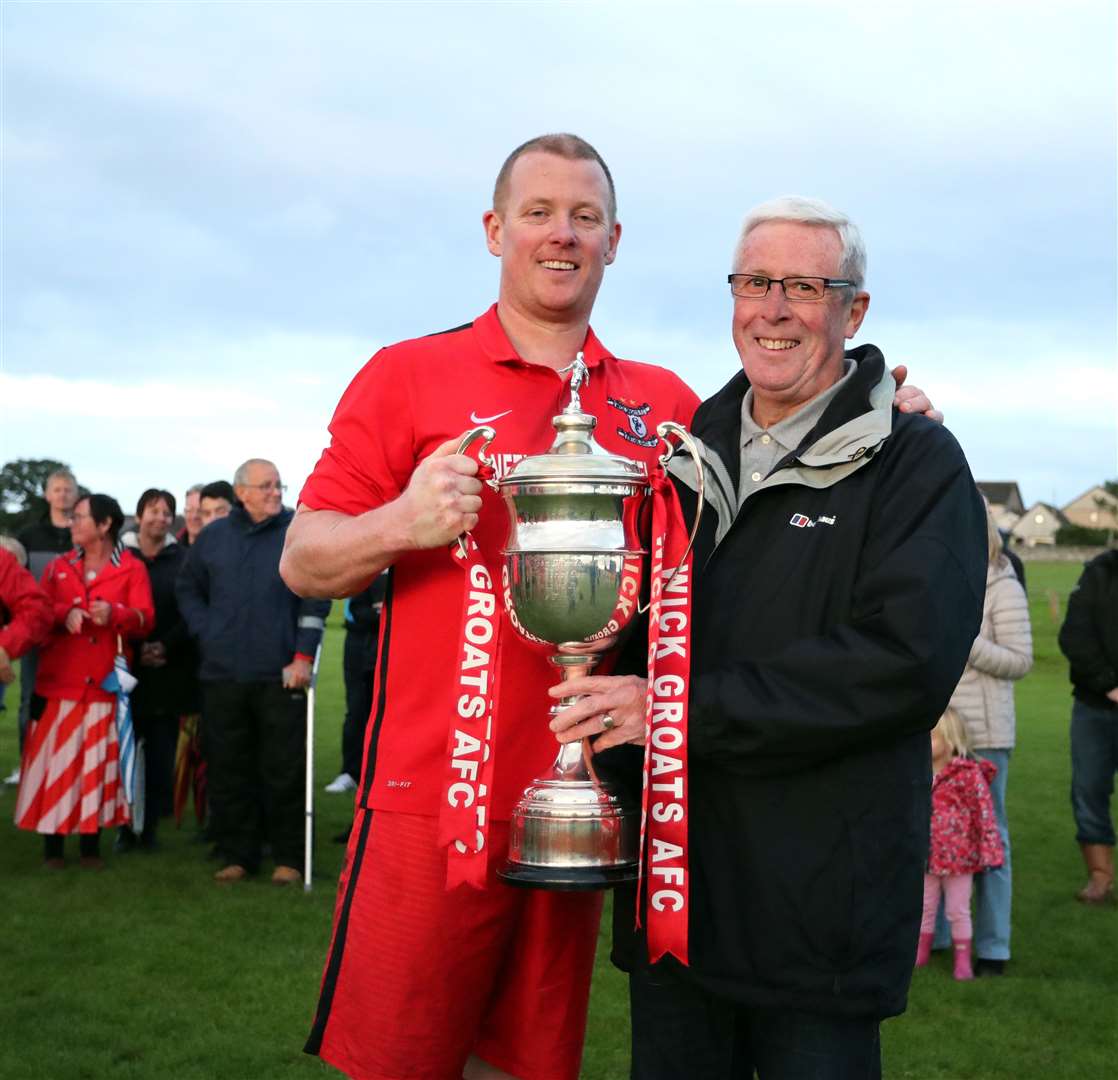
[[579, 375], [574, 438]]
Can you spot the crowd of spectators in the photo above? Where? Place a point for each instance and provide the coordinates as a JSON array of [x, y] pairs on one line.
[[220, 652]]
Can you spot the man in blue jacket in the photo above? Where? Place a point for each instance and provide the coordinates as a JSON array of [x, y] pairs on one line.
[[258, 641]]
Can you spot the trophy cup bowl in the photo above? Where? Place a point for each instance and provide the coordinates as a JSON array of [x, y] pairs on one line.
[[572, 574]]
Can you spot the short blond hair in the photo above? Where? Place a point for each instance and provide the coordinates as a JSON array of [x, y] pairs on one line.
[[954, 731], [562, 144], [995, 548]]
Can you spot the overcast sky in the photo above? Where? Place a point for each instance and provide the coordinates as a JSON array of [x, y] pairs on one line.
[[214, 213]]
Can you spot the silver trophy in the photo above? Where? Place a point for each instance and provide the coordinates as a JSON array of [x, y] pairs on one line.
[[574, 565]]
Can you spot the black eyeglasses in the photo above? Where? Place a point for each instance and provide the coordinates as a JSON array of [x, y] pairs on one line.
[[800, 289], [270, 486]]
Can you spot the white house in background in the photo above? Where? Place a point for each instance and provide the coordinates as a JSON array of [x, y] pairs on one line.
[[1006, 504], [1037, 525], [1094, 509]]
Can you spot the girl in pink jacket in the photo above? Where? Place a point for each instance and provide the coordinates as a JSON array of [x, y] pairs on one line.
[[965, 838]]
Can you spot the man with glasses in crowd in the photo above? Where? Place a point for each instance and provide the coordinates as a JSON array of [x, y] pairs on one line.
[[839, 588], [258, 641]]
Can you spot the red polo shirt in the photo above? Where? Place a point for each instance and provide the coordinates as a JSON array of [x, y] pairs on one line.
[[409, 399]]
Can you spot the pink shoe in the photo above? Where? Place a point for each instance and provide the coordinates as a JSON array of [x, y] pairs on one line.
[[924, 950], [963, 971]]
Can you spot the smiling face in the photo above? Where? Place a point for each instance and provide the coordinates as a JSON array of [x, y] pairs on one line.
[[793, 351], [554, 236], [260, 494], [155, 522], [211, 508]]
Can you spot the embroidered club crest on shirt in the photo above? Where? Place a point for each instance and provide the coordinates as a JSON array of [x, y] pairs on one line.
[[637, 431]]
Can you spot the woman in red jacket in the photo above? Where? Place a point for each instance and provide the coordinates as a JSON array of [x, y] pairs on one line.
[[100, 597]]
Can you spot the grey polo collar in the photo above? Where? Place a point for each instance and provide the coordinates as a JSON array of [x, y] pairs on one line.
[[792, 430]]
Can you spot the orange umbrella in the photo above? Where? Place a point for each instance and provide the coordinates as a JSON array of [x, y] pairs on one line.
[[190, 769]]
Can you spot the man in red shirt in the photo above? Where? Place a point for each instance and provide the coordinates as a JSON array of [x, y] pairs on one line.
[[423, 979]]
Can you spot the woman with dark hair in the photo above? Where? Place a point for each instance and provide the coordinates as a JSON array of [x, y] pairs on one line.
[[100, 598], [168, 686]]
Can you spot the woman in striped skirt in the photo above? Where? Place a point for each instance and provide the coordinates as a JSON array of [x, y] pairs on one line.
[[101, 600]]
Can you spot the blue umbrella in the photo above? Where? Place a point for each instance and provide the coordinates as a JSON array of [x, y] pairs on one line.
[[121, 682]]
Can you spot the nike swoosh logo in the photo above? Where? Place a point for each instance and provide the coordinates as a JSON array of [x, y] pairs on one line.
[[475, 419]]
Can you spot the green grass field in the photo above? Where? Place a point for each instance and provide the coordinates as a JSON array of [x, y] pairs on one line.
[[150, 970]]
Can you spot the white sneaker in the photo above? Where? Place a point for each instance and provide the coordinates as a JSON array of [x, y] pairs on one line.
[[13, 778], [341, 783]]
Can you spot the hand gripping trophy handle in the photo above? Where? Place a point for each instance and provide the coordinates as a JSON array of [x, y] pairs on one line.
[[670, 427], [487, 434]]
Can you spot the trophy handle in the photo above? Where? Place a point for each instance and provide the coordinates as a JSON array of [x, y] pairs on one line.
[[666, 428], [487, 434]]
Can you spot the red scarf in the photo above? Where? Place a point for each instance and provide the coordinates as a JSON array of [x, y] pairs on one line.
[[464, 817], [665, 871]]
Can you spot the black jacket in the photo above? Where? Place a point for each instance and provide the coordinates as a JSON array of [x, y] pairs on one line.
[[43, 541], [831, 622], [173, 688], [248, 623], [362, 625], [1089, 636]]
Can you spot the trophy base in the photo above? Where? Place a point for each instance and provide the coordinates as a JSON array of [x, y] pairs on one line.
[[567, 879], [570, 835]]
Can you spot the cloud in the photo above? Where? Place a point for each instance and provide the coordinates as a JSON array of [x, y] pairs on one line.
[[108, 402], [214, 213]]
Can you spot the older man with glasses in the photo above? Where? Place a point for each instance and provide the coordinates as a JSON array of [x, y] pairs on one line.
[[839, 587], [257, 640]]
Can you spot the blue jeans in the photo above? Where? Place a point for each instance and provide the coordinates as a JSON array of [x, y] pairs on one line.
[[993, 889], [1094, 759]]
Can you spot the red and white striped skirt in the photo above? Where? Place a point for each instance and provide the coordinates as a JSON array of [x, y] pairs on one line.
[[70, 775]]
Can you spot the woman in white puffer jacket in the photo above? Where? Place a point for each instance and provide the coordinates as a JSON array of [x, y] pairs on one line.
[[1001, 654]]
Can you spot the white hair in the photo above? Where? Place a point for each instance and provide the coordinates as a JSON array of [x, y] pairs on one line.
[[810, 212], [10, 543], [240, 477]]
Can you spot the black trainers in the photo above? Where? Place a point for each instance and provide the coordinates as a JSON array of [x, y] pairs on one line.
[[989, 967]]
